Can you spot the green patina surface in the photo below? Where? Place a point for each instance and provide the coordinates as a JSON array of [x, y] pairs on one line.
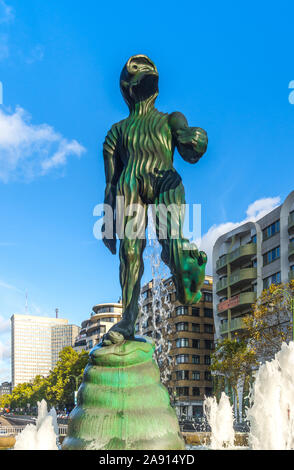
[[138, 156], [122, 404]]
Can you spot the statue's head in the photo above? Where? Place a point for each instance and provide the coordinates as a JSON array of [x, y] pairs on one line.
[[139, 80]]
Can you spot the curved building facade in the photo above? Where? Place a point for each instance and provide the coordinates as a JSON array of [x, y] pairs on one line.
[[249, 259], [101, 319]]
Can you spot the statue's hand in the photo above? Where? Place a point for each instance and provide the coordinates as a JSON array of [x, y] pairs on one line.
[[196, 137], [111, 244]]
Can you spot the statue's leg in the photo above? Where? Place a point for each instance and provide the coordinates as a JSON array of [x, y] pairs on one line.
[[186, 263], [131, 267]]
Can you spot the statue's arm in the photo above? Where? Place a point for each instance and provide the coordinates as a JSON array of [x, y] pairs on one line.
[[113, 169], [191, 142]]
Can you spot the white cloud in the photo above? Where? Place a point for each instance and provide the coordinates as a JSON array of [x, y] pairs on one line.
[[255, 211], [6, 12], [28, 150]]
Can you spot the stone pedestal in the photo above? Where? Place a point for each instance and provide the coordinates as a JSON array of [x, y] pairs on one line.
[[122, 404]]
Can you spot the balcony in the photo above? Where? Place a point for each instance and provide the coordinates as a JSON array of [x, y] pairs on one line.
[[238, 302], [222, 285], [239, 278], [242, 252], [242, 276], [291, 223], [221, 263], [236, 324], [291, 250]]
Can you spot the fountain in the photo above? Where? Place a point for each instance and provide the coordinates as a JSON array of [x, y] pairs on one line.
[[220, 418], [122, 403], [40, 436], [271, 414]]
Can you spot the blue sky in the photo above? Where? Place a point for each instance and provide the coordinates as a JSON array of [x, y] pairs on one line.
[[227, 67]]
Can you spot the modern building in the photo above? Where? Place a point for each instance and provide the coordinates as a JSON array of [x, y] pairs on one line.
[[192, 343], [5, 388], [62, 336], [101, 320], [35, 344], [249, 259]]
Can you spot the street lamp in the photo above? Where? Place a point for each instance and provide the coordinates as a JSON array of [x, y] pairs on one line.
[[76, 379]]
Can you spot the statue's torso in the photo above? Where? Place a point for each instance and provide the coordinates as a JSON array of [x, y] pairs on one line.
[[145, 148]]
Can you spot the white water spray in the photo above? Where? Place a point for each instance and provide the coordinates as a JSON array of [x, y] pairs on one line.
[[220, 418], [271, 414], [40, 436]]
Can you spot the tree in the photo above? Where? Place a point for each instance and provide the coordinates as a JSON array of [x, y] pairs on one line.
[[233, 362], [60, 387], [57, 388], [271, 320]]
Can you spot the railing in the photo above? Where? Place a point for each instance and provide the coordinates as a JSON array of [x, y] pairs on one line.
[[243, 275], [291, 249], [13, 430], [245, 298], [244, 250], [291, 220], [236, 324]]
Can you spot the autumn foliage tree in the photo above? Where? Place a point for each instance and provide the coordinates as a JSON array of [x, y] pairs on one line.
[[232, 363], [270, 323]]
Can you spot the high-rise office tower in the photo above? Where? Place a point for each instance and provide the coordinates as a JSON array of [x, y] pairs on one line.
[[35, 344]]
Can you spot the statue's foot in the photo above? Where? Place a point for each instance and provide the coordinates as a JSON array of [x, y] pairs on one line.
[[120, 332]]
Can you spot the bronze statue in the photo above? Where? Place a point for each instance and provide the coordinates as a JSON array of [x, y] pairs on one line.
[[138, 156]]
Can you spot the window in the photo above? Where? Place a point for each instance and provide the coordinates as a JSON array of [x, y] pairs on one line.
[[195, 311], [195, 391], [182, 358], [182, 343], [208, 391], [271, 230], [273, 279], [182, 391], [207, 360], [196, 327], [182, 375], [207, 296], [253, 238], [195, 359], [208, 312], [207, 375], [183, 326], [196, 343], [271, 256], [195, 375], [181, 310], [208, 344], [208, 328], [197, 411]]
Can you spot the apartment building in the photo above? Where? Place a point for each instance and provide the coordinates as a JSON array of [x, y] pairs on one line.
[[102, 318], [62, 336], [192, 342], [5, 388], [249, 259]]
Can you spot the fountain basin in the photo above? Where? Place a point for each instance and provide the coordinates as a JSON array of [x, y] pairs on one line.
[[203, 439]]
